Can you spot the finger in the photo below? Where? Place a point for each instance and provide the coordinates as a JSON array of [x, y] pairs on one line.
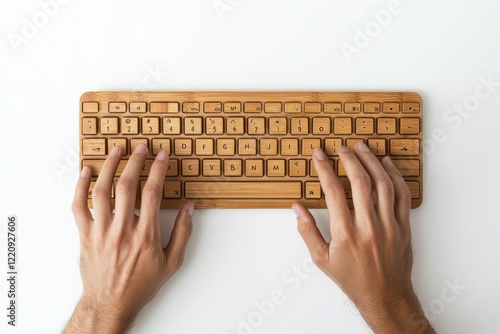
[[80, 207], [361, 184], [333, 189], [381, 182], [402, 193], [101, 194], [313, 238], [152, 194], [126, 187], [176, 247]]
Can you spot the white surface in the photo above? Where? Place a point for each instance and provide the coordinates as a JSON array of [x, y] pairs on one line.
[[439, 49]]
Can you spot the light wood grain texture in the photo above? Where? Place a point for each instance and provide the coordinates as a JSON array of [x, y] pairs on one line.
[[251, 149]]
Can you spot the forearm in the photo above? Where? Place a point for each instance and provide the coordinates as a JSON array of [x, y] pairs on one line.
[[89, 317], [401, 317]]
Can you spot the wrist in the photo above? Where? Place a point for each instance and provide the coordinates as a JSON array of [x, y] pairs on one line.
[[399, 315], [91, 316]]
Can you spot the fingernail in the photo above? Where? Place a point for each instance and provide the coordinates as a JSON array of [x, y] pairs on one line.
[[141, 148], [388, 162], [162, 156], [115, 151], [190, 208], [361, 147], [319, 154], [343, 149], [296, 210], [84, 172]]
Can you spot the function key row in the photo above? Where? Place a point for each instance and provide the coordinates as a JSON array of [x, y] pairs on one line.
[[172, 107]]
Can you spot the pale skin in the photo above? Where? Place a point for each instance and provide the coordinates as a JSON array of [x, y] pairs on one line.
[[369, 256]]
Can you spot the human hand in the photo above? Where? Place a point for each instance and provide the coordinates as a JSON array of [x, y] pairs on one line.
[[123, 264], [369, 256]]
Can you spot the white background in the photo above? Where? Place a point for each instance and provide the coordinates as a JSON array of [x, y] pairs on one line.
[[440, 49]]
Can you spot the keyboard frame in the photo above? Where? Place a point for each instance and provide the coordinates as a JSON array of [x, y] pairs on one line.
[[103, 98]]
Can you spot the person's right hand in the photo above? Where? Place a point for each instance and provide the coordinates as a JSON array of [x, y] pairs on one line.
[[369, 256]]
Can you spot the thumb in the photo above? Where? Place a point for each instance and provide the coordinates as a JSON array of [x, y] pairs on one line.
[[306, 224]]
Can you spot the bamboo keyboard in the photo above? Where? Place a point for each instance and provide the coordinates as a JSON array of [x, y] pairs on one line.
[[250, 150]]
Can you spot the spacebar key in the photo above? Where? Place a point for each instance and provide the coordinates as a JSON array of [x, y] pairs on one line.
[[243, 190]]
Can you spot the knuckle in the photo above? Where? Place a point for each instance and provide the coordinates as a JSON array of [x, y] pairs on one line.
[[334, 188], [125, 186], [151, 192], [100, 194], [363, 182], [386, 187]]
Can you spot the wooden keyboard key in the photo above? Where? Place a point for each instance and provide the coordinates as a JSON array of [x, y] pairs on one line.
[[312, 107], [151, 126], [269, 146], [130, 125], [109, 125], [134, 142], [146, 168], [409, 126], [332, 107], [204, 146], [299, 126], [90, 107], [293, 107], [276, 167], [232, 107], [94, 146], [211, 167], [183, 146], [321, 126], [235, 125], [161, 144], [371, 108], [377, 146], [233, 167], [190, 167], [309, 144], [297, 167], [225, 146], [407, 167], [89, 126], [247, 146], [352, 107], [252, 107], [340, 169], [193, 126], [404, 147], [164, 107], [332, 146], [243, 190], [312, 190], [390, 108], [117, 107], [213, 107], [365, 126], [254, 167], [191, 107], [172, 189], [214, 125], [96, 166], [342, 126], [138, 107], [289, 146], [256, 125], [173, 168], [277, 126], [272, 107], [91, 188], [411, 108], [112, 142], [386, 126], [171, 125], [351, 143], [414, 187]]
